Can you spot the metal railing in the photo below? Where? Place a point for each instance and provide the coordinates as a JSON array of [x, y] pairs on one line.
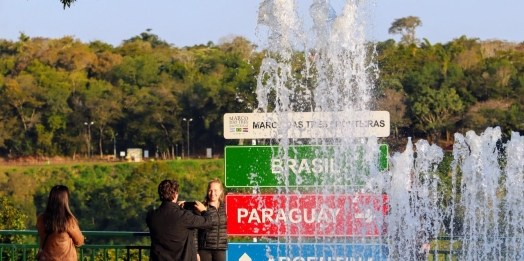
[[128, 252], [87, 252]]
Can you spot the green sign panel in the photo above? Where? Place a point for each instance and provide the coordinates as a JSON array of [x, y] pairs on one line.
[[302, 166]]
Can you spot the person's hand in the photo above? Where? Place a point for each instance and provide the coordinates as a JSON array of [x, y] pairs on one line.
[[181, 203], [199, 207]]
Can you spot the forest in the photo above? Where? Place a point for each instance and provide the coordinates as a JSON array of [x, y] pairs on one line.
[[63, 97], [104, 197]]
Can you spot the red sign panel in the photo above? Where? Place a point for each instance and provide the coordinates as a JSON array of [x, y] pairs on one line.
[[306, 215]]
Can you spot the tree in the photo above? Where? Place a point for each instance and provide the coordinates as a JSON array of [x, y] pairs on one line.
[[101, 100], [395, 102], [11, 218], [495, 112], [67, 3], [406, 27], [140, 71], [25, 97], [433, 109], [54, 85], [153, 39]]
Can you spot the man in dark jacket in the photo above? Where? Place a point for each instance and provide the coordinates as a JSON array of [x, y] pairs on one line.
[[172, 228]]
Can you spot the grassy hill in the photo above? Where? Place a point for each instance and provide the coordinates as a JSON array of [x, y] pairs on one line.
[[106, 196]]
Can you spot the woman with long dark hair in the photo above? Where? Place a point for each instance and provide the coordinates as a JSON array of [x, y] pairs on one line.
[[58, 229], [212, 242]]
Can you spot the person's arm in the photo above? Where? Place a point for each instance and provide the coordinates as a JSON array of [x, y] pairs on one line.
[[41, 229], [75, 233], [206, 219], [195, 238]]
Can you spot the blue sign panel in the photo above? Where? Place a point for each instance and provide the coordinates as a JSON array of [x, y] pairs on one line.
[[305, 252]]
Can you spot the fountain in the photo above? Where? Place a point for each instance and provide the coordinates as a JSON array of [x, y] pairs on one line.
[[354, 209]]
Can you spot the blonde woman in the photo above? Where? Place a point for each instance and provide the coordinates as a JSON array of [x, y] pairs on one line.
[[212, 242]]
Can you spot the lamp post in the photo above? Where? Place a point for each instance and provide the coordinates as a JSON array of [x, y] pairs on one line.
[[187, 122], [114, 146], [88, 124]]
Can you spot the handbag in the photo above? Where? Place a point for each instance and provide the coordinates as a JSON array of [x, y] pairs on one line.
[[37, 257]]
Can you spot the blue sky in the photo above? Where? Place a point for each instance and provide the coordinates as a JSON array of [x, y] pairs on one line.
[[190, 22]]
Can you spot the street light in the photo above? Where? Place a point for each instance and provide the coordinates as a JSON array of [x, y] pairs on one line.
[[88, 124], [114, 146], [187, 122]]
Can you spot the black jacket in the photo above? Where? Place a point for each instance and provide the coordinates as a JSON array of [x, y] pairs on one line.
[[172, 228], [215, 237]]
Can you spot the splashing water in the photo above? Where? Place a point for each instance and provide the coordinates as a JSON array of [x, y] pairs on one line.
[[475, 213]]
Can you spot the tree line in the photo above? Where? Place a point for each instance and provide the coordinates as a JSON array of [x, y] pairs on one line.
[[105, 197], [439, 89], [62, 96], [65, 97]]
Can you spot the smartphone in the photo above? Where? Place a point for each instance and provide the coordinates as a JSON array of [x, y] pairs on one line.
[[189, 205]]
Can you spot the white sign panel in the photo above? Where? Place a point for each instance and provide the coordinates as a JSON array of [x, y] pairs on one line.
[[306, 125]]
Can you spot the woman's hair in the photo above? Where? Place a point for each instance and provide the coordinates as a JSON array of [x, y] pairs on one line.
[[167, 190], [217, 181], [57, 214]]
